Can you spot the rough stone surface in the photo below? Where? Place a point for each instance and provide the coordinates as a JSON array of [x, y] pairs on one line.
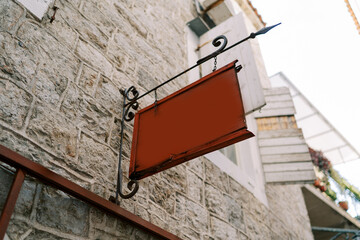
[[93, 57], [87, 30], [57, 66], [17, 60], [97, 160], [222, 230], [14, 103], [86, 113], [71, 215], [60, 107], [6, 179], [10, 14], [88, 79], [108, 95], [216, 177], [47, 128], [195, 187], [25, 199]]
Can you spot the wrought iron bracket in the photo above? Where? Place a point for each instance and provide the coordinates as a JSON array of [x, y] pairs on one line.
[[130, 105]]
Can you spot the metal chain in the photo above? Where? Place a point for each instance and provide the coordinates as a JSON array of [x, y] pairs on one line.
[[215, 62]]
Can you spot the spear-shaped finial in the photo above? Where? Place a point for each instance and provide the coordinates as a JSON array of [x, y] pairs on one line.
[[263, 30]]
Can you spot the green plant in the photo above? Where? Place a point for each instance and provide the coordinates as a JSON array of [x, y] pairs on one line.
[[325, 166]]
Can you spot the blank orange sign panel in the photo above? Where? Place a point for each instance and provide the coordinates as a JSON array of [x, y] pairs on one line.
[[200, 118]]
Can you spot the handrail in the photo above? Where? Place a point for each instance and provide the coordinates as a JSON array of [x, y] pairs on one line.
[[53, 179]]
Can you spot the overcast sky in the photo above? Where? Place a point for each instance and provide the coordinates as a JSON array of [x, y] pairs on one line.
[[317, 47]]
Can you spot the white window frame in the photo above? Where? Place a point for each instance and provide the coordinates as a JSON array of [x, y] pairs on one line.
[[248, 171]]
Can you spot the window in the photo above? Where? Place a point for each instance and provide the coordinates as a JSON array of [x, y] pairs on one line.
[[230, 153], [240, 161]]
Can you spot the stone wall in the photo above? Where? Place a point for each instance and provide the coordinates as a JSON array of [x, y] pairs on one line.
[[60, 107]]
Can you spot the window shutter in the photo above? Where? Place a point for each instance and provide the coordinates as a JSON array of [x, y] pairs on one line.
[[247, 53], [284, 153]]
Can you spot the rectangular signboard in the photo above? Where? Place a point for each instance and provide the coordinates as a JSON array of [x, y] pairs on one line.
[[203, 117]]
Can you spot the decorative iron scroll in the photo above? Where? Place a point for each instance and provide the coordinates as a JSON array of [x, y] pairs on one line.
[[131, 97]]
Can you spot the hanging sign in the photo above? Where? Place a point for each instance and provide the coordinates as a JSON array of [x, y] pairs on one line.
[[203, 117]]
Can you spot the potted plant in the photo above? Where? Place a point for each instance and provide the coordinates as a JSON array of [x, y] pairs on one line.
[[323, 188], [344, 205], [317, 182]]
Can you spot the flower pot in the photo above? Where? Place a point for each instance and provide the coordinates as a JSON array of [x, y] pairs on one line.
[[323, 188], [344, 205], [317, 183]]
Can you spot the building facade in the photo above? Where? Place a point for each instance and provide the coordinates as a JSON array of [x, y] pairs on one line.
[[60, 106]]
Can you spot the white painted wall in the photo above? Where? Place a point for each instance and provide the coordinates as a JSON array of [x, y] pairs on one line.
[[37, 7]]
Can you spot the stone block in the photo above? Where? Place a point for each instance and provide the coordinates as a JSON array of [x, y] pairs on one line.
[[139, 235], [195, 186], [90, 10], [235, 215], [189, 234], [108, 95], [215, 201], [124, 229], [100, 189], [52, 130], [239, 193], [128, 204], [115, 137], [110, 223], [66, 214], [180, 207], [142, 212], [93, 57], [25, 199], [53, 77], [87, 30], [17, 60], [174, 226], [97, 160], [14, 104], [119, 51], [132, 20], [62, 31], [36, 154], [10, 14], [74, 3], [196, 165], [6, 180], [88, 79], [99, 234], [252, 227], [156, 220], [176, 178], [24, 147], [49, 91], [86, 113], [58, 65], [37, 234], [222, 230], [163, 195], [196, 216], [121, 79], [216, 177], [97, 218], [154, 209], [145, 80], [17, 228]]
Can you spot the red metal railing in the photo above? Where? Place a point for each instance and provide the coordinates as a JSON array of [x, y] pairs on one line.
[[25, 167]]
